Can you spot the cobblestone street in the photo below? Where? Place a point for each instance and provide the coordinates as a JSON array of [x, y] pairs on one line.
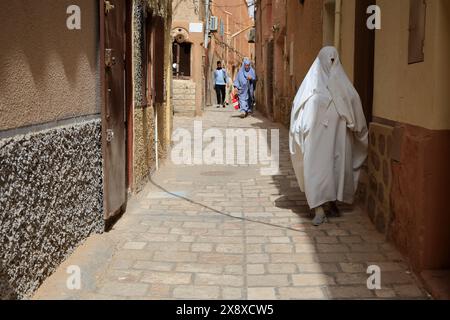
[[228, 232]]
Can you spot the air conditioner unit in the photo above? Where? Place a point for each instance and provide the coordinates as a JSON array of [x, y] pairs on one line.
[[251, 35], [222, 28], [213, 24]]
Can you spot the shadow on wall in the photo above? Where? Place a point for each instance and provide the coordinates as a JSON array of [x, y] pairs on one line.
[[47, 71], [37, 31]]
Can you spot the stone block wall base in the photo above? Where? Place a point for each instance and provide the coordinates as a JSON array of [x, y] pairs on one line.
[[405, 191], [184, 96], [437, 282], [419, 196], [51, 195], [379, 176]]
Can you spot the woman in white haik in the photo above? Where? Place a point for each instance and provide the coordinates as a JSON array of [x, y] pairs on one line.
[[328, 137]]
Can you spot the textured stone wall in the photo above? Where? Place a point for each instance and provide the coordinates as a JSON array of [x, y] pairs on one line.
[[184, 92], [144, 145], [138, 52], [379, 176], [406, 191], [154, 7], [163, 8], [144, 162], [51, 199]]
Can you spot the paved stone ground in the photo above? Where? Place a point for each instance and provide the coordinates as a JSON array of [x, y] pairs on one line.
[[228, 232]]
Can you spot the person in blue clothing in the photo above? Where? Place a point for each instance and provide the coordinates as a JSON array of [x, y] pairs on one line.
[[245, 83], [220, 83]]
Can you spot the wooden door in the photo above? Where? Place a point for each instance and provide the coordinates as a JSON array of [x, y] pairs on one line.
[[269, 81], [155, 60], [113, 13], [159, 89], [150, 48], [364, 57]]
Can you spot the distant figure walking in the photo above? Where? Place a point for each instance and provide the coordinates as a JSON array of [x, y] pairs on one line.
[[220, 83], [328, 135], [245, 83]]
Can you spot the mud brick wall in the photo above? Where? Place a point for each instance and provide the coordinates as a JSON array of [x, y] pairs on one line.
[[51, 199]]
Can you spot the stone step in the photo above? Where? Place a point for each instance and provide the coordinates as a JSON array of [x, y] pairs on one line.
[[184, 108], [183, 91], [177, 103], [183, 84], [183, 88], [185, 113], [183, 97]]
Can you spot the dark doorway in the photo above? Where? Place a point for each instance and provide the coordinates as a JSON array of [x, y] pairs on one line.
[[269, 75], [113, 53], [158, 53], [149, 65], [364, 57], [182, 59], [155, 60]]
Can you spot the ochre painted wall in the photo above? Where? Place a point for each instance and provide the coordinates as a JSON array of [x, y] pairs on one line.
[[442, 65], [416, 94], [305, 29], [184, 13], [416, 98], [236, 14], [47, 72], [297, 39], [187, 10], [347, 45]]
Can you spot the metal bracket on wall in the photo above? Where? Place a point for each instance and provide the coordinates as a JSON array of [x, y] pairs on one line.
[[109, 59], [109, 135], [108, 7]]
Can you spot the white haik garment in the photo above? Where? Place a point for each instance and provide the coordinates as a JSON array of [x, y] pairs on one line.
[[328, 136]]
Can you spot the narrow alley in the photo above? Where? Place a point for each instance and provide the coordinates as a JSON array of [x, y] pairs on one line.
[[228, 232], [225, 150]]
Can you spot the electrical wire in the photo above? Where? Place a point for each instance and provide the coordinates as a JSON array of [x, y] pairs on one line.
[[228, 6], [221, 43], [224, 11], [220, 212], [246, 4]]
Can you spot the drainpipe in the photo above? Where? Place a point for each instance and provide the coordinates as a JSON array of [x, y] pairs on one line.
[[337, 25], [156, 138], [207, 24], [205, 43]]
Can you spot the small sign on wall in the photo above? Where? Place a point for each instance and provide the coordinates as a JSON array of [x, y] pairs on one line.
[[195, 27]]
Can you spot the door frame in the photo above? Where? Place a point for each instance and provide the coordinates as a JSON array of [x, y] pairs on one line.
[[129, 96], [149, 58], [364, 58], [102, 71], [128, 106]]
